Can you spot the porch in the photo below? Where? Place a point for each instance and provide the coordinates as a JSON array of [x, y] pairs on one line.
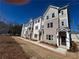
[[63, 38]]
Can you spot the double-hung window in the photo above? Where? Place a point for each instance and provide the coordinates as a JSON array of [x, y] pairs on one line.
[[49, 37], [50, 25], [62, 23], [47, 17], [53, 15]]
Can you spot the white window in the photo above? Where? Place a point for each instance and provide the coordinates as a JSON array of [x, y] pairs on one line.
[[47, 25], [50, 25], [62, 23], [62, 12], [47, 17], [49, 37], [53, 15]]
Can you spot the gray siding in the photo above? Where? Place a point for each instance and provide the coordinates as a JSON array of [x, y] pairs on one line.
[[51, 31]]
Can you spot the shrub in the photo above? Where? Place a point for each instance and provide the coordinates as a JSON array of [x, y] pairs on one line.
[[74, 47]]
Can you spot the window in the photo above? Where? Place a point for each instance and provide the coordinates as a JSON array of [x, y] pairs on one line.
[[36, 27], [62, 23], [35, 35], [51, 24], [47, 17], [62, 12], [48, 25], [49, 37], [53, 15]]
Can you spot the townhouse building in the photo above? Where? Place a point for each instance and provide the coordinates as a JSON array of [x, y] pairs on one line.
[[24, 29], [37, 29], [56, 26], [52, 28], [27, 30]]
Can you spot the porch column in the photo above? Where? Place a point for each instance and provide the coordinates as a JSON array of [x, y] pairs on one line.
[[22, 32], [42, 35], [57, 39], [67, 40]]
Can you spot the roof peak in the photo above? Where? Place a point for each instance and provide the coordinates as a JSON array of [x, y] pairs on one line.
[[54, 7]]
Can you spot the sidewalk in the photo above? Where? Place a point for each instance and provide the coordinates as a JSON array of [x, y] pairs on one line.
[[58, 50]]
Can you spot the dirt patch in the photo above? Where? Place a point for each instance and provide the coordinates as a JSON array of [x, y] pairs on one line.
[[36, 50], [10, 49]]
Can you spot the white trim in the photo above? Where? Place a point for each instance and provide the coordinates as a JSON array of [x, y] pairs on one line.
[[68, 40], [57, 39]]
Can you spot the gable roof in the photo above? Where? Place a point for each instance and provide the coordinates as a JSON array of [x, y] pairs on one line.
[[50, 6], [64, 7], [37, 18]]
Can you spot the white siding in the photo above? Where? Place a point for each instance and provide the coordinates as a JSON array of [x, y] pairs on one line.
[[36, 31], [64, 18], [51, 31]]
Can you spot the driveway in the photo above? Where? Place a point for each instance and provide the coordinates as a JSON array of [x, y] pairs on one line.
[[38, 52]]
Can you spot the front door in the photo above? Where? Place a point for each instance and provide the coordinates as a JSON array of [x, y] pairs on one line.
[[39, 35], [62, 38]]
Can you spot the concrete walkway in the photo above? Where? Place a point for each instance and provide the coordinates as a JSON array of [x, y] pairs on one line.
[[58, 50]]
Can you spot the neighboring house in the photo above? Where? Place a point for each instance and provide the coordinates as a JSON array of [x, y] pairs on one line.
[[27, 30], [42, 29], [75, 36], [22, 32], [56, 26], [37, 28], [52, 27], [30, 29]]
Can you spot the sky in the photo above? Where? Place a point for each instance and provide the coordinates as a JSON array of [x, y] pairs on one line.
[[21, 11]]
